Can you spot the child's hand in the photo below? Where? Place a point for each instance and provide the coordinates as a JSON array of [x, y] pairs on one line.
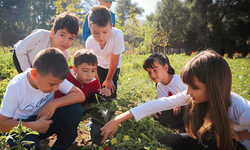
[[109, 129], [42, 124], [155, 115], [48, 108], [105, 91], [109, 84], [177, 110]]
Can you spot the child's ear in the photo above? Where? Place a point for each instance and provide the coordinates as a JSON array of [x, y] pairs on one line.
[[33, 74], [52, 33], [166, 67]]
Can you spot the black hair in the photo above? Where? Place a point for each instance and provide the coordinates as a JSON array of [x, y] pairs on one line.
[[161, 58], [85, 56], [51, 60], [66, 20], [100, 15]]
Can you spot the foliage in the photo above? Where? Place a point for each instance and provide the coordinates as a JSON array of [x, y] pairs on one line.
[[20, 18], [123, 8], [132, 27], [16, 134]]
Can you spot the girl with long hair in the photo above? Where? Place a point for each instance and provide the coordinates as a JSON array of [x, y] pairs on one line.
[[216, 118]]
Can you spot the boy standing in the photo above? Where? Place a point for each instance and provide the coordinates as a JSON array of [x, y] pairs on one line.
[[108, 45], [61, 36], [85, 29], [29, 96], [82, 75]]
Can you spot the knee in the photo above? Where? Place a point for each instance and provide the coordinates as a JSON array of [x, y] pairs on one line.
[[76, 110]]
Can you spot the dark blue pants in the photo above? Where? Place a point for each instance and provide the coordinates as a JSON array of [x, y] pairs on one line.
[[65, 122], [102, 73]]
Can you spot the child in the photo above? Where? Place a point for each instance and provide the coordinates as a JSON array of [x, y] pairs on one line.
[[85, 29], [215, 117], [82, 75], [61, 36], [108, 45], [29, 97], [160, 71]]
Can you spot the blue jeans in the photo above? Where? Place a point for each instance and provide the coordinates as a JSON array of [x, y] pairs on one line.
[[65, 122]]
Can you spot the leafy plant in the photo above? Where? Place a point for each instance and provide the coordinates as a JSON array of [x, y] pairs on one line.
[[16, 134]]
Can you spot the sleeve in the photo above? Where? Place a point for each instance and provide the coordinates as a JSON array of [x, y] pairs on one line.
[[65, 87], [22, 48], [113, 18], [119, 45], [85, 29], [66, 54], [89, 44], [164, 103], [10, 102]]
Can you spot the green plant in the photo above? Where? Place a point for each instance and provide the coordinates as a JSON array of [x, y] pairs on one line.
[[16, 134]]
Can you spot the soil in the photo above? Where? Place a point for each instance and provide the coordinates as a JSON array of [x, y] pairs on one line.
[[83, 136]]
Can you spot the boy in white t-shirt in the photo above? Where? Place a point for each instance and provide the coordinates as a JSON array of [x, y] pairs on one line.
[[61, 36], [108, 45], [29, 96]]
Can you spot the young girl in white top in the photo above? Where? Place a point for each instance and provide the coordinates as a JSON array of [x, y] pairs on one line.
[[215, 117], [162, 73]]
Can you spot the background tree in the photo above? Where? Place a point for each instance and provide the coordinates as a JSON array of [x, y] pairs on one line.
[[123, 8], [133, 29]]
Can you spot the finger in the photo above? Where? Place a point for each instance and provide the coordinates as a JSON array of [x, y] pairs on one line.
[[179, 110], [112, 90], [159, 112], [105, 136]]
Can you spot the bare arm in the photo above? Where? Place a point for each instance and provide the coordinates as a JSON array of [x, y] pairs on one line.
[[108, 83], [41, 125], [111, 127], [74, 96], [242, 135]]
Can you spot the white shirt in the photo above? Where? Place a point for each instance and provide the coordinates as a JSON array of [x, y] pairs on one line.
[[115, 45], [21, 100], [239, 111], [27, 48], [174, 84]]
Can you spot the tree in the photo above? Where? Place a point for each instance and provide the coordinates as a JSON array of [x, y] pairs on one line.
[[133, 28], [123, 8], [19, 17]]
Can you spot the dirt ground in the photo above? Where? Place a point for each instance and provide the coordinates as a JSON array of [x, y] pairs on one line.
[[83, 135]]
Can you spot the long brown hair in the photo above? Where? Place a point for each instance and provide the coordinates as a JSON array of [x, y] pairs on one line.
[[211, 116]]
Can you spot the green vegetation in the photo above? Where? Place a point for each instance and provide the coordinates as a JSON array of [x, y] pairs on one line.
[[134, 88]]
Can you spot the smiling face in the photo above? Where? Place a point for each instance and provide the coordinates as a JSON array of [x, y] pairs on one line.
[[158, 73], [101, 34], [46, 83], [62, 39], [85, 72], [197, 91]]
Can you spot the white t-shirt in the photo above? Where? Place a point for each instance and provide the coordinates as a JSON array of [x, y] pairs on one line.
[[239, 111], [115, 45], [171, 88], [21, 100], [27, 48]]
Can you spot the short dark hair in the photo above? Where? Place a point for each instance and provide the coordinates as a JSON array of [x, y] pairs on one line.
[[51, 60], [85, 56], [100, 15], [67, 20]]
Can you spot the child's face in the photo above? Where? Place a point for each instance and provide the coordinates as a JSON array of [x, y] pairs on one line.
[[101, 34], [198, 93], [106, 4], [85, 72], [47, 83], [62, 39], [158, 73]]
